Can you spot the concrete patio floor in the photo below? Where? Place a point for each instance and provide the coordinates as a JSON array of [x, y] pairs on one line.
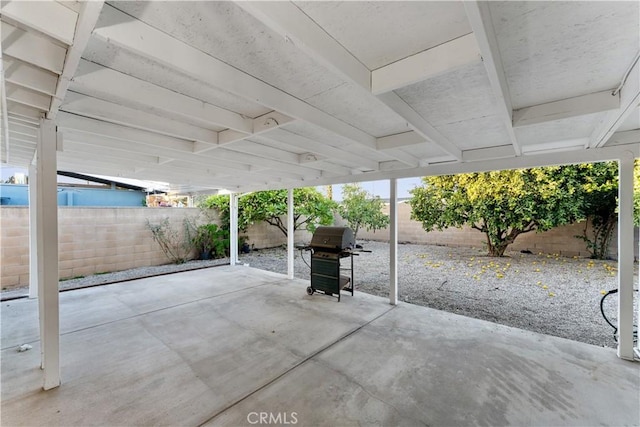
[[221, 346]]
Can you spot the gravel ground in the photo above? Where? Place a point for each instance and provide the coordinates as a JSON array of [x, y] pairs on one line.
[[537, 292]]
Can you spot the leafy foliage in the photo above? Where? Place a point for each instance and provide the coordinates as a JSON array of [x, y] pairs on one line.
[[636, 193], [176, 243], [501, 204], [599, 198], [311, 209], [210, 238], [361, 209]]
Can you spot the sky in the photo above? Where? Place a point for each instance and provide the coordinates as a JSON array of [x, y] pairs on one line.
[[381, 188]]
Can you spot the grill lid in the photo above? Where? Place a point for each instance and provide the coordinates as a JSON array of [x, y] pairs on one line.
[[333, 238]]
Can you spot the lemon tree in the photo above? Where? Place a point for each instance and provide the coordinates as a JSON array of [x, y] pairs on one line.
[[500, 204]]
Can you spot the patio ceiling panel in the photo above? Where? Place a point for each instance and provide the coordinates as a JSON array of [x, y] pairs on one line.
[[370, 30], [460, 95], [364, 112], [477, 132], [559, 50]]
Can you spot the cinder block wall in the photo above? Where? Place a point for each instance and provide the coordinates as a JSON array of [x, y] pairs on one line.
[[559, 240], [101, 240]]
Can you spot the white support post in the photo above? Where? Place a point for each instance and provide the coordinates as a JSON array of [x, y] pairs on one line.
[[393, 241], [47, 247], [33, 236], [625, 257], [233, 226], [637, 349], [290, 235]]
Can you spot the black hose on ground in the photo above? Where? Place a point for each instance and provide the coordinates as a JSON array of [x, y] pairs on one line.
[[615, 328]]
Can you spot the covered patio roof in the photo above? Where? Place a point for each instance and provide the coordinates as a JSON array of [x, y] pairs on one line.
[[244, 96], [255, 95], [222, 345]]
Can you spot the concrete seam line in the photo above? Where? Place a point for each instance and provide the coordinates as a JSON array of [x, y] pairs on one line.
[[296, 365], [144, 314], [120, 281]]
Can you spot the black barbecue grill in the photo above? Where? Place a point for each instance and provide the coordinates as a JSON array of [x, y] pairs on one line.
[[329, 245]]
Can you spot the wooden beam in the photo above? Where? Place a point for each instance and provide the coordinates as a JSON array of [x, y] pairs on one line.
[[261, 124], [107, 153], [426, 64], [629, 102], [4, 112], [98, 127], [32, 48], [399, 140], [118, 114], [27, 97], [30, 77], [101, 82], [135, 36], [23, 129], [107, 135], [87, 19], [130, 146], [419, 124], [48, 17], [479, 17], [285, 18], [499, 152], [565, 108], [455, 167], [626, 137], [312, 146], [23, 111]]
